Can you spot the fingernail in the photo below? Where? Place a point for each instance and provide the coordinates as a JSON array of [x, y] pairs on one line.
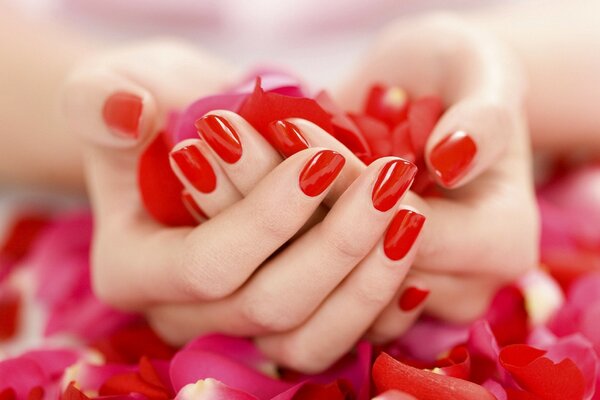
[[122, 112], [393, 181], [452, 157], [412, 297], [320, 172], [196, 168], [191, 205], [287, 138], [221, 137], [402, 233]]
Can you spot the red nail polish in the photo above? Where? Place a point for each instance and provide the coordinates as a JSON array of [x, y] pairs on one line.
[[393, 181], [402, 233], [287, 138], [412, 297], [191, 205], [196, 168], [221, 137], [122, 112], [320, 172], [452, 157]]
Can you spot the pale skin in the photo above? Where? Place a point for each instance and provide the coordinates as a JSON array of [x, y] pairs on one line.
[[302, 314]]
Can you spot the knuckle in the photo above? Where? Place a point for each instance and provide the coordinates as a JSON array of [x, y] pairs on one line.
[[266, 317], [166, 327], [273, 221], [372, 295], [344, 242], [200, 279], [303, 357]]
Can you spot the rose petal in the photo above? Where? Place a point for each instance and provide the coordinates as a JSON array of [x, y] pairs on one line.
[[190, 365], [423, 115], [541, 376], [390, 374], [377, 135], [211, 389], [345, 128], [159, 186], [181, 125], [262, 108], [388, 104]]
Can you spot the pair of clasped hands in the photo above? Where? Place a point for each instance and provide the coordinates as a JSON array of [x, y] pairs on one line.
[[305, 248]]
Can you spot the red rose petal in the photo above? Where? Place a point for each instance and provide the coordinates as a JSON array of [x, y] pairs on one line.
[[456, 364], [377, 135], [508, 317], [514, 394], [338, 390], [129, 345], [72, 393], [402, 143], [37, 393], [159, 186], [8, 394], [388, 104], [10, 305], [261, 108], [21, 235], [540, 376], [149, 374], [146, 382], [344, 127], [422, 117], [389, 374], [132, 383]]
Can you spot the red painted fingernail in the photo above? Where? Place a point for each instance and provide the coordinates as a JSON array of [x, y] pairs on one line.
[[122, 112], [402, 233], [196, 168], [192, 206], [412, 297], [452, 157], [287, 138], [320, 172], [221, 137], [393, 181]]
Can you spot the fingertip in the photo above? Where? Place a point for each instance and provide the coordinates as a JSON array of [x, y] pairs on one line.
[[451, 159], [108, 109]]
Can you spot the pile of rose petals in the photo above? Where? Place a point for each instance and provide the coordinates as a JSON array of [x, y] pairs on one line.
[[540, 338]]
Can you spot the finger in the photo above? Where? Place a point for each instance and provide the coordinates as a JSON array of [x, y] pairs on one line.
[[401, 313], [202, 176], [430, 292], [276, 299], [244, 155], [479, 79], [214, 259], [348, 312], [501, 205]]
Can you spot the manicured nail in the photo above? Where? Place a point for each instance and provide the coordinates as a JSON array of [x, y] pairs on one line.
[[287, 138], [320, 172], [221, 137], [452, 157], [393, 181], [412, 297], [122, 112], [196, 168], [402, 233], [191, 205]]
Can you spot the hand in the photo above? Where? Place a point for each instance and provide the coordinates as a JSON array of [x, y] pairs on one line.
[[230, 274], [485, 231]]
